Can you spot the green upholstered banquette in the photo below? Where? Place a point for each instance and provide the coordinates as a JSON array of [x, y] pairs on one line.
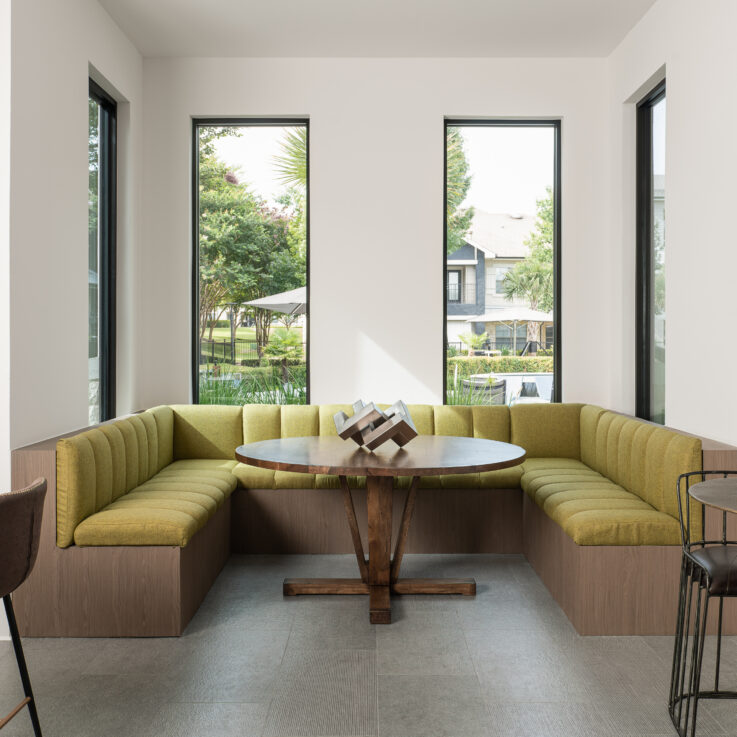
[[157, 477]]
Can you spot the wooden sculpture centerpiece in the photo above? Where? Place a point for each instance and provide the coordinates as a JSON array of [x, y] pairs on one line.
[[371, 426]]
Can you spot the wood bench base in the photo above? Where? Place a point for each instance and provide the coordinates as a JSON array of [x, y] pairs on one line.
[[610, 589]]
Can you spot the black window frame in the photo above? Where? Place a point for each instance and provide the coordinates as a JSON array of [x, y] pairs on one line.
[[644, 249], [198, 122], [107, 250], [555, 124], [458, 271]]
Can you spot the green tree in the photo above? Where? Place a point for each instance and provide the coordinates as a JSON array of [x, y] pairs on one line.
[[291, 164], [458, 181], [285, 347], [532, 278], [245, 249]]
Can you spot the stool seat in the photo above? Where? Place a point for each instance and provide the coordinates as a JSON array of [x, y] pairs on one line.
[[720, 564]]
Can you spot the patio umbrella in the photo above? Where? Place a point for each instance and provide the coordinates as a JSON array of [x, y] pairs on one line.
[[293, 302], [513, 315]]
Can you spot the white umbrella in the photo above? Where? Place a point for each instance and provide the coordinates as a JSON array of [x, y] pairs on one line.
[[293, 302], [513, 314]]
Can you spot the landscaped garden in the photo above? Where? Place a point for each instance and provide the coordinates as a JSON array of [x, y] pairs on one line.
[[252, 246]]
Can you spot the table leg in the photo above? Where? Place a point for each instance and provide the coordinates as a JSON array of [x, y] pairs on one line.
[[380, 578], [379, 501]]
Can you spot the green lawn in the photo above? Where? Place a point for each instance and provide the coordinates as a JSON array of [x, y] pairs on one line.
[[245, 333]]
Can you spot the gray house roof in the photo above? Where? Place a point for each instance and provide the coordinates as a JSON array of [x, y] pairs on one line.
[[500, 235]]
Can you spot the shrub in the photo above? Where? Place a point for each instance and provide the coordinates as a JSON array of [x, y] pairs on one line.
[[468, 365]]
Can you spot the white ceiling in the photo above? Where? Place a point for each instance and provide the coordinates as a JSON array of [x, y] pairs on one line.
[[376, 28]]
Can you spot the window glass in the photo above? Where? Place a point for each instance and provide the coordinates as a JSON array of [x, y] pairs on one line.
[[101, 205], [651, 257], [252, 317], [501, 214]]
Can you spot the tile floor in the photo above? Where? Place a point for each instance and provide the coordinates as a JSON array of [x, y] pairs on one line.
[[254, 664]]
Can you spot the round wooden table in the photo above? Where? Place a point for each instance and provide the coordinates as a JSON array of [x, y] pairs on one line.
[[426, 455]]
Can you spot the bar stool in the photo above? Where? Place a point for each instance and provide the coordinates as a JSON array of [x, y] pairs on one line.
[[20, 528], [709, 567]]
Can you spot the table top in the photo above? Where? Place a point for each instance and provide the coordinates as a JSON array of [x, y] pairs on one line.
[[719, 493], [426, 455]]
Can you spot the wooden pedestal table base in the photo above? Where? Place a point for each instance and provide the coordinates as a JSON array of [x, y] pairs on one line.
[[380, 574], [425, 456]]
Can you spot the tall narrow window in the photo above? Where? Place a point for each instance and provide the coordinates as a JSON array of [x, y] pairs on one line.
[[650, 335], [502, 262], [251, 262], [101, 260]]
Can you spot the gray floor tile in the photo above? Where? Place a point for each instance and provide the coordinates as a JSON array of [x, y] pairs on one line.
[[325, 693], [255, 662], [426, 643], [207, 720], [431, 706], [333, 628]]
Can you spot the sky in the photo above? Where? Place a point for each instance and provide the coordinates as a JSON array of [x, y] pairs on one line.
[[253, 154], [510, 166]]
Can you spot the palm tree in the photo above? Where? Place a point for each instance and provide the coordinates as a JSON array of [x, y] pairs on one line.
[[292, 164], [530, 280], [473, 341]]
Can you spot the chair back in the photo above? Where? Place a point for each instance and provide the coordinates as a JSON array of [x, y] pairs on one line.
[[692, 514], [20, 529]]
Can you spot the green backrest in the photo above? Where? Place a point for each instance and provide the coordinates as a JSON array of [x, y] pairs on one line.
[[263, 421], [207, 431], [547, 430], [99, 465], [643, 458]]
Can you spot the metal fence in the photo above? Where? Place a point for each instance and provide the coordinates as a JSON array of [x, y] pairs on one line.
[[228, 351], [496, 345]]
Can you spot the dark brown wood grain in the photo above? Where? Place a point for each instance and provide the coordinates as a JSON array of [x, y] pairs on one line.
[[379, 502], [426, 455], [350, 511]]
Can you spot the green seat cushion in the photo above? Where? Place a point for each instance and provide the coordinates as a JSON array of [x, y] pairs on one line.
[[139, 524], [622, 527], [545, 464], [251, 477], [506, 478], [165, 510]]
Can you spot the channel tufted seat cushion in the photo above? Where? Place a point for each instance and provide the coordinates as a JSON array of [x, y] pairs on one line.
[[168, 509]]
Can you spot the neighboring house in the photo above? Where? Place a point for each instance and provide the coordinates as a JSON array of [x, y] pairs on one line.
[[476, 271]]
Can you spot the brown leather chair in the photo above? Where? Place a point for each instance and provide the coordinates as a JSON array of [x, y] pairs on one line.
[[20, 528], [708, 571]]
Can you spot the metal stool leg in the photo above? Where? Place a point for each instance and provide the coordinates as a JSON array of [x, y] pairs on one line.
[[719, 644], [678, 642], [698, 654], [26, 681]]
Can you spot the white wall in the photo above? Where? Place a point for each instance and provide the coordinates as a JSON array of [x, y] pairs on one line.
[[376, 162], [695, 44], [53, 46], [4, 259], [4, 245]]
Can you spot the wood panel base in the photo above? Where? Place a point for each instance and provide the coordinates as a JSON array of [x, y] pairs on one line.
[[312, 521], [146, 591], [610, 589]]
